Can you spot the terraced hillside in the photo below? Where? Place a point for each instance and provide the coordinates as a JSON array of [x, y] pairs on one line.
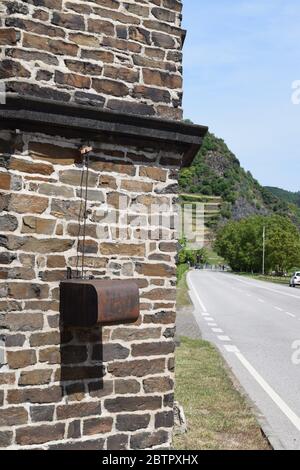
[[229, 191], [208, 211]]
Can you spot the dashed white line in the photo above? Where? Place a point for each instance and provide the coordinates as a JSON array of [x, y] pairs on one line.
[[217, 330], [286, 410], [212, 324], [261, 301], [208, 319], [290, 314], [224, 338], [232, 349], [253, 284], [279, 309]]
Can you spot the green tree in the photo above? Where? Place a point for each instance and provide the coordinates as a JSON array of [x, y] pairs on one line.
[[282, 244], [240, 243], [202, 256], [191, 257]]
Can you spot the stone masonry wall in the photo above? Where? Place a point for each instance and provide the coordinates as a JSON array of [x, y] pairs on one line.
[[120, 55], [105, 388]]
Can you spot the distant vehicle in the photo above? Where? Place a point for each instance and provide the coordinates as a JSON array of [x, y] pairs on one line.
[[295, 280], [198, 266]]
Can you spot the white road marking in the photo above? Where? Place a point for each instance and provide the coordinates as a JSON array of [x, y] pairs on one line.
[[208, 319], [286, 410], [212, 324], [217, 330], [205, 314], [279, 309], [232, 349], [224, 338], [261, 300], [196, 294], [290, 314], [265, 288], [289, 413]]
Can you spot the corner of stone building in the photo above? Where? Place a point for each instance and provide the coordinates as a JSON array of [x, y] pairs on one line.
[[116, 55], [106, 387]]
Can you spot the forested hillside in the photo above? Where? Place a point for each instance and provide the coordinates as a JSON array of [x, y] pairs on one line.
[[288, 196], [216, 171]]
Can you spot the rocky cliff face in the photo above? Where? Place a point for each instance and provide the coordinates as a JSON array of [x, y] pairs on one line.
[[243, 208], [217, 172]]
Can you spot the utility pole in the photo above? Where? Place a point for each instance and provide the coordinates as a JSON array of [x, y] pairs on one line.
[[264, 250]]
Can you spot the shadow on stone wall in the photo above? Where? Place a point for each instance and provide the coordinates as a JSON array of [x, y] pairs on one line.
[[82, 368]]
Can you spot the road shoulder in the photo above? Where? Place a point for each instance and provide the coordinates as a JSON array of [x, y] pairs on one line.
[[204, 384], [218, 415]]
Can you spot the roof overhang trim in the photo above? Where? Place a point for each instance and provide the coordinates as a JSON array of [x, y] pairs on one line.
[[86, 122]]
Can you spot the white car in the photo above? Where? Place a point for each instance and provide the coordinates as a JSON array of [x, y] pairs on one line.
[[295, 280]]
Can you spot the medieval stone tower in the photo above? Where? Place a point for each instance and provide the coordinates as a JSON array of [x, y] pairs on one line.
[[106, 76]]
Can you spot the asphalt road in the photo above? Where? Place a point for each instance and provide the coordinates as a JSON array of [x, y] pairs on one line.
[[256, 326]]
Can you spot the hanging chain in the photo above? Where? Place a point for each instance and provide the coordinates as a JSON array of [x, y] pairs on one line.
[[83, 213], [79, 220]]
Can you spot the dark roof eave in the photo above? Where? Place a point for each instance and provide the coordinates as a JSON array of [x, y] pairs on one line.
[[23, 113]]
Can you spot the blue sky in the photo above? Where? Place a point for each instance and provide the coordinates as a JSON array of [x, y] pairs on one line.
[[240, 60]]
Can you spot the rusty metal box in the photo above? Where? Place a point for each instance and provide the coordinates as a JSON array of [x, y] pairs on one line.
[[86, 303]]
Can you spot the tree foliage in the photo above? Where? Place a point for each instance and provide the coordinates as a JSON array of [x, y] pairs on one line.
[[241, 244], [288, 196], [192, 257]]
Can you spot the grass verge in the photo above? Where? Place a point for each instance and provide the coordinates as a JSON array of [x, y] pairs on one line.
[[181, 270], [276, 280], [213, 258], [182, 295], [218, 416]]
